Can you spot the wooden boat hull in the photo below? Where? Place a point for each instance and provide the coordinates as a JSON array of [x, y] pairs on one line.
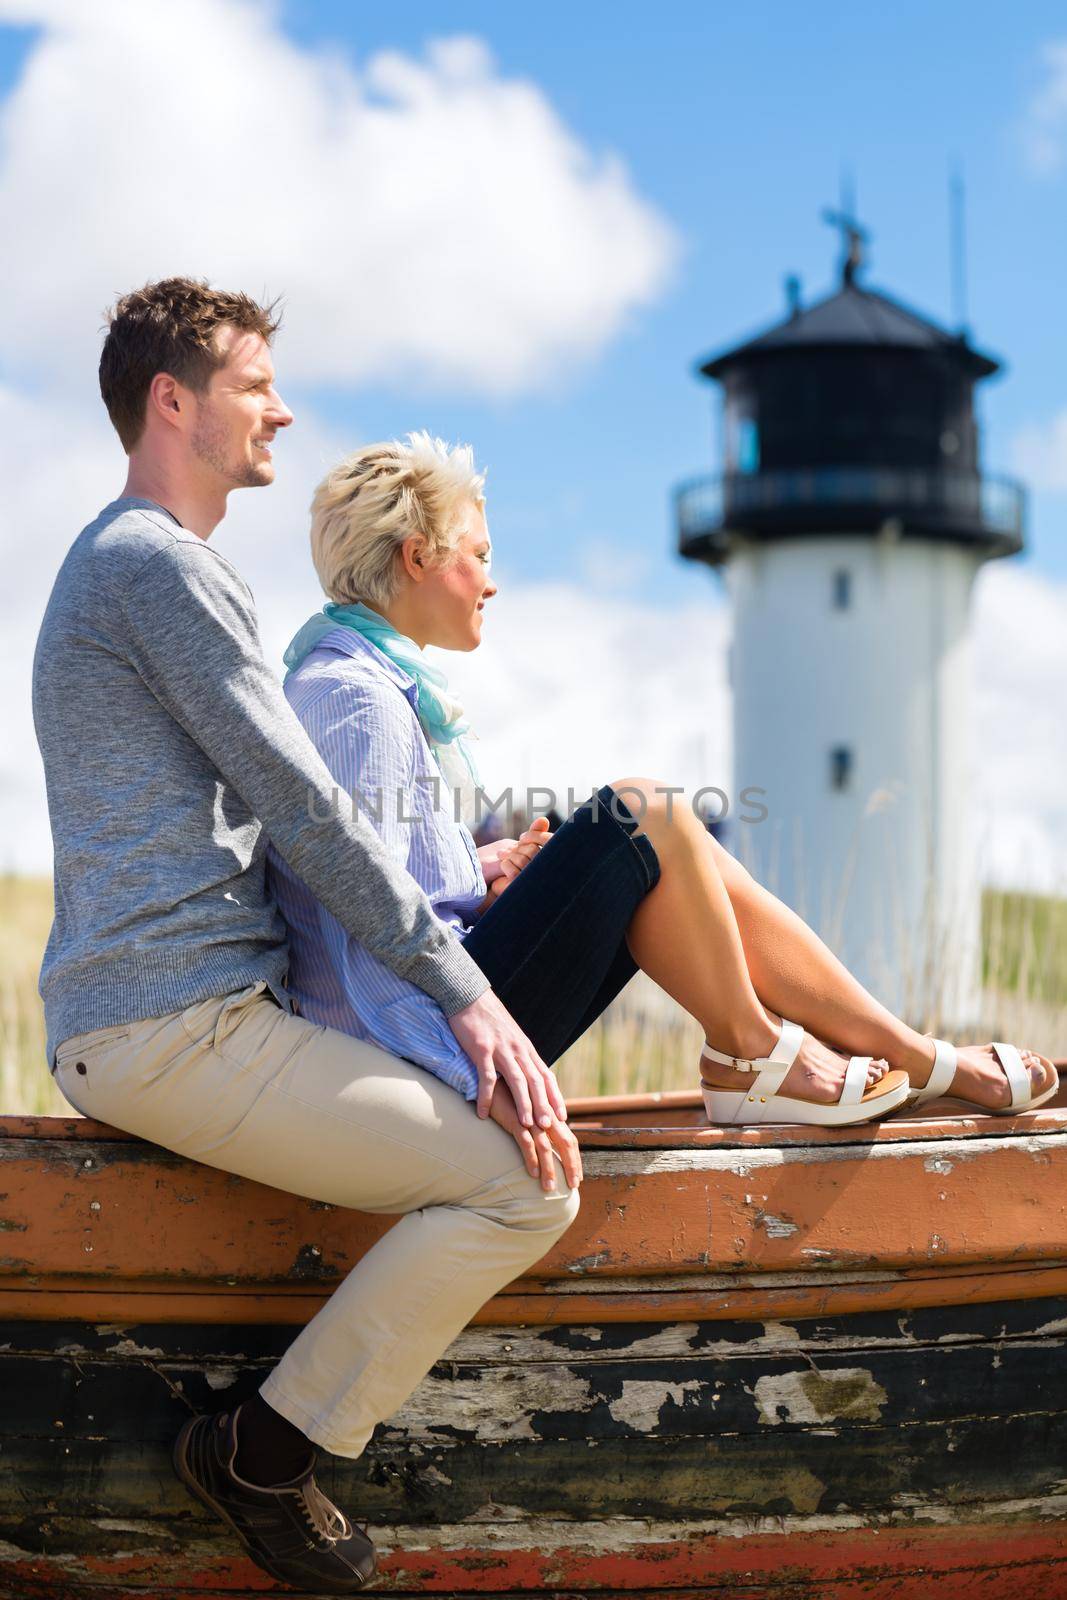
[[780, 1364]]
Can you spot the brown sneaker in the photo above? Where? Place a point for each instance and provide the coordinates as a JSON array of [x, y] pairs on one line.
[[290, 1530]]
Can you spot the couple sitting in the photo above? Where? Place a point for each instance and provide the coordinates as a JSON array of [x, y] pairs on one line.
[[322, 1022]]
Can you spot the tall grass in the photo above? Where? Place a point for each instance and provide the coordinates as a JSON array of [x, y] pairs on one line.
[[644, 1041]]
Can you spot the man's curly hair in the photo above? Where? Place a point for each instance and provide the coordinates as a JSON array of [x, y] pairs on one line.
[[169, 326]]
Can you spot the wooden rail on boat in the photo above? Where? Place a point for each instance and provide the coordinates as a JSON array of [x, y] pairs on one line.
[[780, 1362]]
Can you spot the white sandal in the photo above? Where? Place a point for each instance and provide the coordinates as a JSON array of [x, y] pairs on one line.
[[856, 1103], [944, 1070]]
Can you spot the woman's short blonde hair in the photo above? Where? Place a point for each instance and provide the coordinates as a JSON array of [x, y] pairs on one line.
[[374, 499]]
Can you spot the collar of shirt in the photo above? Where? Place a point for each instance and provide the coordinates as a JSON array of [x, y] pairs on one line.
[[347, 642]]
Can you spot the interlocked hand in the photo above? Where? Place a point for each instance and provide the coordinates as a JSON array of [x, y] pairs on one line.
[[509, 856]]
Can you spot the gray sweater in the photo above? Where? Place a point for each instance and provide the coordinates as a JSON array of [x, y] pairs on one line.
[[170, 752]]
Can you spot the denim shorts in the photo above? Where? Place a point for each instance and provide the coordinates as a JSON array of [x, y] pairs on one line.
[[554, 945]]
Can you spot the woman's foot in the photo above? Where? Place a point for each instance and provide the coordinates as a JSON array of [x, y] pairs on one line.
[[817, 1073], [980, 1079]]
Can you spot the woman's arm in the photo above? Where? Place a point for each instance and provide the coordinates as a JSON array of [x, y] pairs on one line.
[[366, 732]]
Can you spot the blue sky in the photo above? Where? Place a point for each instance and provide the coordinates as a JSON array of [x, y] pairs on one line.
[[527, 241], [735, 122]]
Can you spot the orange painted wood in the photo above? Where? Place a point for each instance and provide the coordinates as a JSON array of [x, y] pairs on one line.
[[71, 1206], [101, 1301], [86, 1210]]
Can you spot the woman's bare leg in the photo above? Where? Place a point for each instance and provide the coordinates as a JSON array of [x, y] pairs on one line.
[[685, 935], [790, 969]]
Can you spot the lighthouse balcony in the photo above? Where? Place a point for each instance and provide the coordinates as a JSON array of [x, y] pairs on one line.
[[987, 512]]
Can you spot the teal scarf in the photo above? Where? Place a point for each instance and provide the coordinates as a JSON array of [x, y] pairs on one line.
[[440, 714]]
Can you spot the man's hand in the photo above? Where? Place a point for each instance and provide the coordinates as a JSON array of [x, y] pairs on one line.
[[538, 1144], [499, 1049]]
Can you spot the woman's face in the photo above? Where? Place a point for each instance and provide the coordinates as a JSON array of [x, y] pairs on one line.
[[452, 596]]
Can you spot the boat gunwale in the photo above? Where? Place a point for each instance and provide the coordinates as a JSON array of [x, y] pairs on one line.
[[599, 1124]]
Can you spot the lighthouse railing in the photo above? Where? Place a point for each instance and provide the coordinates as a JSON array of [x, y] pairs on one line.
[[960, 502]]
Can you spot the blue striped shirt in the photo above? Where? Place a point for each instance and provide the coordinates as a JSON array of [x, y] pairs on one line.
[[359, 709]]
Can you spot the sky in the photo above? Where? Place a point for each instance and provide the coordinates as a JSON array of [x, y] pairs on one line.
[[522, 227]]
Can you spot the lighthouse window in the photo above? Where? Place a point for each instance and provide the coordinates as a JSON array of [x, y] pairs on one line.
[[747, 445], [842, 589], [840, 767]]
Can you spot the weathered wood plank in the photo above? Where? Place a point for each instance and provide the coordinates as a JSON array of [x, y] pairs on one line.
[[509, 1346], [81, 1397], [676, 1120], [850, 1494], [778, 1472], [1011, 1557], [756, 1297], [130, 1211], [733, 1451]]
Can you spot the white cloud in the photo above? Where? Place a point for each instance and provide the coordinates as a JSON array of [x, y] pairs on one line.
[[59, 465], [1039, 453], [575, 686], [425, 219], [1044, 128]]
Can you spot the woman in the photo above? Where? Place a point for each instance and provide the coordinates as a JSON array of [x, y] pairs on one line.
[[560, 923]]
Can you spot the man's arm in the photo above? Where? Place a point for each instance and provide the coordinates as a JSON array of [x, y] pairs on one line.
[[195, 640]]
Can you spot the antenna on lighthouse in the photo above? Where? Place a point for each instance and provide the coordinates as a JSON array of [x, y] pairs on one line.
[[853, 235], [958, 249]]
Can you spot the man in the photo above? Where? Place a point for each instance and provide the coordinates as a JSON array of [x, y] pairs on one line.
[[170, 753]]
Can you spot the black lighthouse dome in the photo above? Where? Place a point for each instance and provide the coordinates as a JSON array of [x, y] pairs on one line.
[[853, 416]]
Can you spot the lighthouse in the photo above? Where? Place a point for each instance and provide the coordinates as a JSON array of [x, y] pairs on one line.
[[849, 519]]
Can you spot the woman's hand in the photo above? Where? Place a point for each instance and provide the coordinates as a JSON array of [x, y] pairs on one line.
[[491, 857], [539, 1146], [503, 861]]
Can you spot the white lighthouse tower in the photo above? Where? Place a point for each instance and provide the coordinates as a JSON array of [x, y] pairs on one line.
[[849, 520]]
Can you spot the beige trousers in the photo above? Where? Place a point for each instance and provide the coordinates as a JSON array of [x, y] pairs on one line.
[[240, 1084]]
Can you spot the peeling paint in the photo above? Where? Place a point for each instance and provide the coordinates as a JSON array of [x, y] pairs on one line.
[[777, 1227], [450, 1410], [745, 1163], [938, 1164], [629, 1533], [129, 1347], [588, 1263], [642, 1400], [148, 1530], [221, 1377], [818, 1396]]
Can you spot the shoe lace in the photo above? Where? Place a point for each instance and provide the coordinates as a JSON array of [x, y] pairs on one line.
[[322, 1515]]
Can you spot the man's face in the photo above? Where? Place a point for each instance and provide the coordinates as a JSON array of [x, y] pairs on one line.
[[238, 415]]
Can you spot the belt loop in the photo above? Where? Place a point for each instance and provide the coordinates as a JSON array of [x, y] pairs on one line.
[[231, 1007]]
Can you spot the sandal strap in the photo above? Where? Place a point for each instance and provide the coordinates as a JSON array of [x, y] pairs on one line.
[[773, 1067], [941, 1073], [1022, 1091], [855, 1085]]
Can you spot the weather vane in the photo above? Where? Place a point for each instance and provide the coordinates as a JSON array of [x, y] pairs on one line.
[[853, 235]]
